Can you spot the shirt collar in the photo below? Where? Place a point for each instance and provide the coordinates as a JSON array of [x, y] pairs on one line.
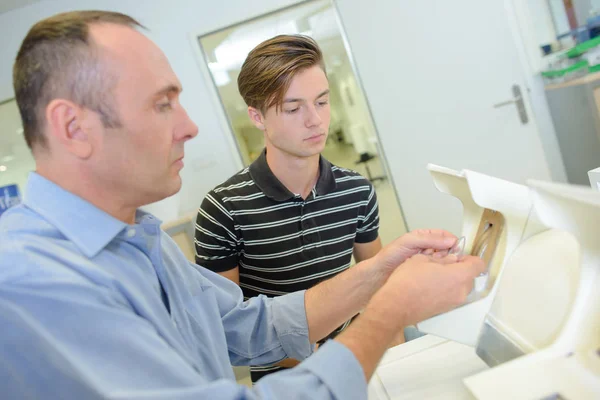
[[84, 224], [273, 188]]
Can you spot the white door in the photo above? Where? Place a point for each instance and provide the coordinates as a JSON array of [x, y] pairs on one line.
[[432, 71]]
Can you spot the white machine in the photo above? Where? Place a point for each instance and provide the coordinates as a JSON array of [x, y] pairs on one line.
[[595, 178], [531, 327]]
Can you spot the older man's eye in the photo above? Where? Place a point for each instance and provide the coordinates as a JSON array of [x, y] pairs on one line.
[[163, 107]]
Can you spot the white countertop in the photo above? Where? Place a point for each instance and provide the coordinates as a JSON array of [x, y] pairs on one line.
[[425, 368]]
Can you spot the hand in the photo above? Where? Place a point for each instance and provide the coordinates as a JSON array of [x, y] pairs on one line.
[[434, 242], [288, 363], [398, 339], [423, 287], [292, 362]]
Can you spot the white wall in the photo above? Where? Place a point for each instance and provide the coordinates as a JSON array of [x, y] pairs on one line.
[[541, 21], [559, 16], [582, 10]]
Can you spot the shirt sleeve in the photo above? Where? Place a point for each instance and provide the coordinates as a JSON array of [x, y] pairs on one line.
[[368, 222], [261, 330], [36, 365], [331, 373], [72, 339], [215, 236]]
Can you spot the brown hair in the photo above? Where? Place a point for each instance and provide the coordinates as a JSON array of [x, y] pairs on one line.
[[270, 67], [57, 59]]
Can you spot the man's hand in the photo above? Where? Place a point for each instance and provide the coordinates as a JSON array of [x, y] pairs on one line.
[[292, 362], [425, 286], [288, 363], [328, 304], [435, 242]]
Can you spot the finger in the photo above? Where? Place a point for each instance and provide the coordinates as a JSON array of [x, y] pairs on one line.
[[427, 252], [447, 259], [436, 239], [459, 246], [420, 258], [474, 265], [440, 254]]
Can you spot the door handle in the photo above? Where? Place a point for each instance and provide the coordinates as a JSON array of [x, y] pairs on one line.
[[518, 101]]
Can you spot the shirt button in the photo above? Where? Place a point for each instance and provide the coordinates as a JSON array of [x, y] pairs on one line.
[[131, 233]]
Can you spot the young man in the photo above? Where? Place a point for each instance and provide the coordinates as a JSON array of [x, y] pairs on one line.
[[291, 219], [97, 302]]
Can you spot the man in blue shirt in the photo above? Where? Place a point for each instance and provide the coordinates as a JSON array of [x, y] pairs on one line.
[[97, 302]]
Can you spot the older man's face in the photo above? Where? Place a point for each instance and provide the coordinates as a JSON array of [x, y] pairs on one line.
[[142, 158]]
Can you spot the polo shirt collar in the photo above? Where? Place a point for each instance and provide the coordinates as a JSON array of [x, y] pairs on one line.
[[273, 188]]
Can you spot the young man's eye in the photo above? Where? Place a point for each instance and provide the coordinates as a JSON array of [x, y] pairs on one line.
[[293, 110], [323, 102]]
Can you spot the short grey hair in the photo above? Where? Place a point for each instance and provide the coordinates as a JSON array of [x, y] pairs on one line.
[[58, 60]]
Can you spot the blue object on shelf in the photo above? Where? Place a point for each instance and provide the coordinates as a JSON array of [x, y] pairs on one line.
[[593, 24], [582, 34], [546, 49], [9, 196]]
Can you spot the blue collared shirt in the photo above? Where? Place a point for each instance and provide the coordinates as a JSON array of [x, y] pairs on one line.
[[81, 315]]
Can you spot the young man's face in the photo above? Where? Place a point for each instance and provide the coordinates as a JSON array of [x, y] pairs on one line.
[[143, 157], [301, 127]]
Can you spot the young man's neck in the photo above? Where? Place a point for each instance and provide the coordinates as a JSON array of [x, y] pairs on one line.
[[298, 174]]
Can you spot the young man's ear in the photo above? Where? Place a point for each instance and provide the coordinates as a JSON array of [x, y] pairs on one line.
[[68, 128], [257, 118]]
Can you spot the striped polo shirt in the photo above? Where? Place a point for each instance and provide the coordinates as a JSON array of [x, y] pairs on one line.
[[281, 242]]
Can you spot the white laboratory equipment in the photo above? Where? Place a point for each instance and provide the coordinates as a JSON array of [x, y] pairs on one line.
[[530, 329], [594, 176]]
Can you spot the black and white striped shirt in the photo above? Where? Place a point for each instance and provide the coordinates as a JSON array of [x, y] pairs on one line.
[[281, 242]]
